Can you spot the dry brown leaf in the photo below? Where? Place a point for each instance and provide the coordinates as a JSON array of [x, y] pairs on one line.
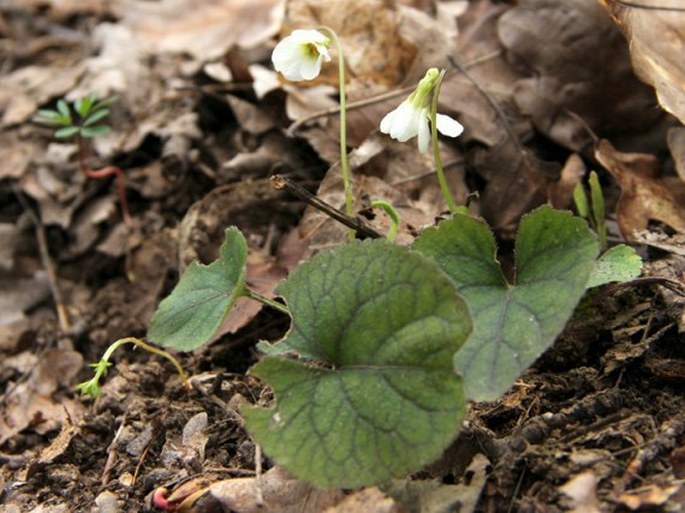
[[374, 48], [656, 38], [518, 181], [59, 444], [644, 195], [648, 497], [368, 500], [582, 492], [561, 193], [23, 90], [676, 144], [15, 154], [205, 31], [579, 64], [274, 492], [432, 496], [30, 403], [18, 294]]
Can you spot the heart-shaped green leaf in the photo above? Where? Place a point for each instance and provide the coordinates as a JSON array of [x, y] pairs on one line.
[[195, 309], [383, 400], [512, 324]]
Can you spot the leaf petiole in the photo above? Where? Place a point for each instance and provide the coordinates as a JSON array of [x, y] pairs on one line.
[[266, 301]]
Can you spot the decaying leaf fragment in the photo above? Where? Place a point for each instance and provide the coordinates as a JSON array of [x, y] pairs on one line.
[[577, 62], [656, 38], [644, 195]]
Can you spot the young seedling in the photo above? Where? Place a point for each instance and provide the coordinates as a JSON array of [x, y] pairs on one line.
[[619, 263], [80, 120], [92, 386]]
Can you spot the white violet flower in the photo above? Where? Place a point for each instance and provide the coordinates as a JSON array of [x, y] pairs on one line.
[[412, 117], [299, 56]]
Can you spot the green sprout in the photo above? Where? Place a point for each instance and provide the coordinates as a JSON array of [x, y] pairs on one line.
[[593, 210], [392, 214], [81, 120], [92, 386]]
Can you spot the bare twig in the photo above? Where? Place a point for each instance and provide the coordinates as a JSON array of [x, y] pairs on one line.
[[62, 316], [281, 182]]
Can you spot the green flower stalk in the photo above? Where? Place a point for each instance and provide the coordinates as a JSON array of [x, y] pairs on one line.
[[299, 56]]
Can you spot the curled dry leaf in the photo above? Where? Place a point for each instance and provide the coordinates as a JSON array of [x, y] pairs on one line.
[[206, 33], [582, 492], [676, 143], [275, 491], [578, 63], [31, 404], [656, 38], [518, 181], [644, 195]]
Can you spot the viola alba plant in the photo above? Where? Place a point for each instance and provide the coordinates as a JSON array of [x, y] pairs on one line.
[[413, 115], [300, 55], [387, 342]]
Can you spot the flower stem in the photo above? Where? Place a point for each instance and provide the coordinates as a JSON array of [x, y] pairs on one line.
[[344, 166], [436, 148], [266, 301]]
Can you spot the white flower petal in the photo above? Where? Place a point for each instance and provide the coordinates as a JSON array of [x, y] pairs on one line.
[[424, 133], [299, 55], [386, 122], [448, 126], [310, 69], [406, 122]]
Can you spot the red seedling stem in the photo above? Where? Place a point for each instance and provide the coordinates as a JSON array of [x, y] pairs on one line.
[[103, 173]]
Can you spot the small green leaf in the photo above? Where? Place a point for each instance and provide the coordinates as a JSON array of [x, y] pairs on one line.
[[63, 108], [52, 117], [384, 321], [95, 117], [581, 201], [83, 105], [94, 131], [619, 263], [104, 103], [513, 324], [598, 213], [66, 132], [195, 309]]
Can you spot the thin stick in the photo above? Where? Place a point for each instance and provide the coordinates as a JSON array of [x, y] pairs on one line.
[[62, 316], [280, 182]]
